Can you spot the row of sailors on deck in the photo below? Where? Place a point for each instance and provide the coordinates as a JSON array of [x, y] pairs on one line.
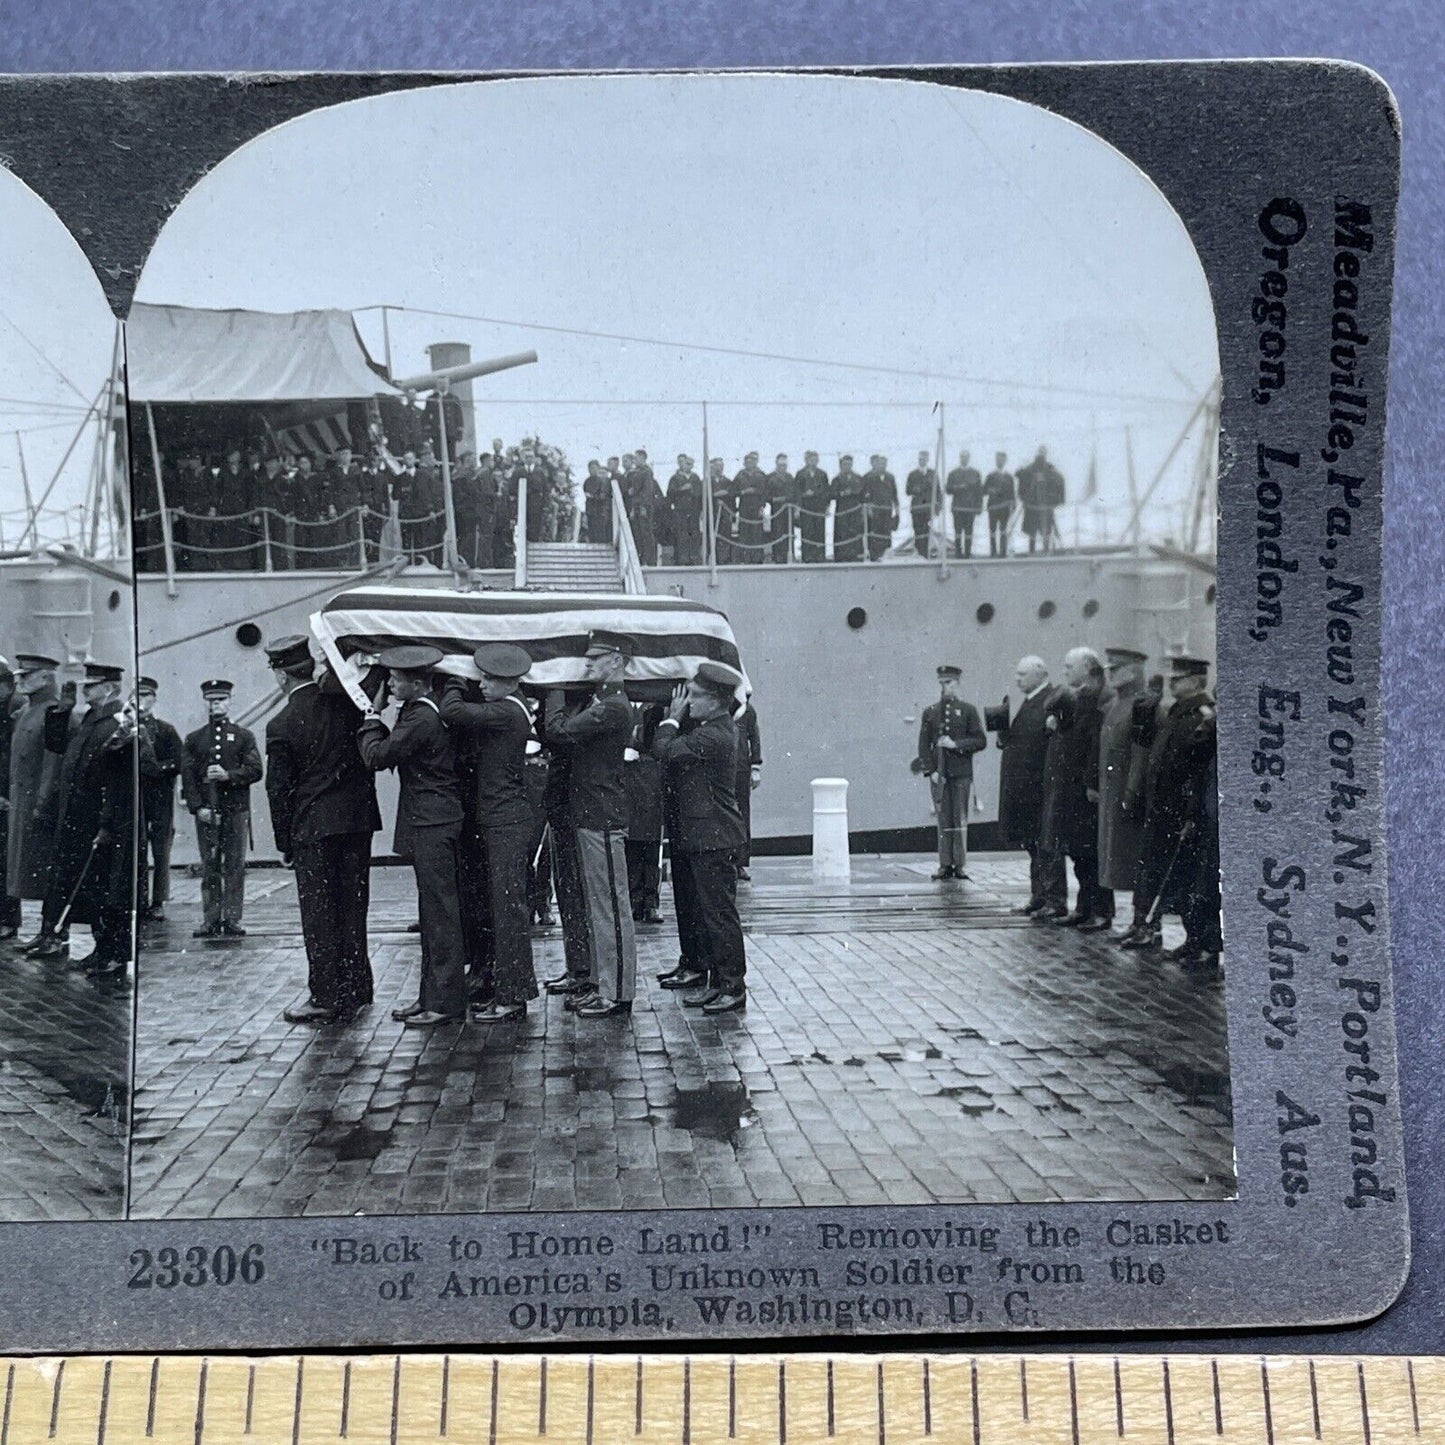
[[468, 823], [249, 512], [1104, 771]]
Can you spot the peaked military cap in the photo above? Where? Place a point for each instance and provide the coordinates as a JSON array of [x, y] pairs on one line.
[[948, 671], [1188, 667], [411, 658], [293, 651], [1119, 656], [601, 641], [103, 672], [502, 659], [146, 684], [217, 687], [34, 661], [718, 676]]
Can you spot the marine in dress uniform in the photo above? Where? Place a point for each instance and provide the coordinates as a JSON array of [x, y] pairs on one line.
[[1180, 851], [595, 738], [684, 514], [697, 743], [748, 774], [496, 730], [323, 812], [642, 777], [782, 497], [880, 496], [1121, 779], [950, 733], [9, 906], [998, 498], [161, 759], [1024, 741], [920, 486], [220, 764], [32, 781], [92, 879], [420, 749], [965, 498], [814, 492], [847, 513]]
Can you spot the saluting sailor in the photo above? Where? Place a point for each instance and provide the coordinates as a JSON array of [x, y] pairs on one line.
[[219, 765], [497, 729], [420, 749], [948, 737]]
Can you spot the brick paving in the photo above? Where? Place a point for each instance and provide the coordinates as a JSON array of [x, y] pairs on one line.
[[905, 1042], [64, 1063]]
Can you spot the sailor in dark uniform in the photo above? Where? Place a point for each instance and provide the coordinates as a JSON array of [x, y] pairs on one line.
[[323, 813], [749, 496], [965, 496], [782, 498], [92, 878], [420, 750], [880, 494], [597, 490], [998, 496], [684, 514], [594, 739], [813, 492], [848, 514], [31, 793], [161, 759], [724, 518], [950, 733], [1179, 856], [220, 763], [920, 487], [697, 744], [642, 777], [496, 731]]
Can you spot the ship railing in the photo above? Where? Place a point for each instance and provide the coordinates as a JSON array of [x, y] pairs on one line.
[[629, 563]]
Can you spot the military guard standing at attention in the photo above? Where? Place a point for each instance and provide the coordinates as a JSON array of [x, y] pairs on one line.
[[220, 765], [1024, 741], [34, 771], [948, 737], [1075, 782], [1121, 780], [782, 495], [965, 496], [642, 777], [9, 905], [684, 514], [998, 496], [848, 513], [697, 743], [92, 879], [880, 515], [161, 760], [497, 729], [323, 813], [594, 739], [750, 495], [814, 492], [420, 750], [920, 489]]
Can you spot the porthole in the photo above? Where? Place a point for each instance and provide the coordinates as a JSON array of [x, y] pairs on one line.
[[1046, 611], [857, 618], [984, 613], [248, 635]]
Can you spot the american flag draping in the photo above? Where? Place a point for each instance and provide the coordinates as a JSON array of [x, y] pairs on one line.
[[671, 635]]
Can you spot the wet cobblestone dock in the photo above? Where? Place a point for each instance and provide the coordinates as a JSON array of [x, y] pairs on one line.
[[905, 1042]]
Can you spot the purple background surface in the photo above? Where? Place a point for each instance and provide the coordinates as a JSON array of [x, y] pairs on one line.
[[1403, 41]]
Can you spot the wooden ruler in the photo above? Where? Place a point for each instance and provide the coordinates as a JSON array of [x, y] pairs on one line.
[[805, 1399]]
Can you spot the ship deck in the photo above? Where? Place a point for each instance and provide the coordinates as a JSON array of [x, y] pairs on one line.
[[905, 1042]]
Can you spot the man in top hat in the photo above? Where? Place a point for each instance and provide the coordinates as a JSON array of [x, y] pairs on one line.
[[1074, 785], [813, 491], [32, 778], [697, 744], [948, 737], [920, 488], [1179, 856], [1024, 742], [495, 731], [1121, 779], [92, 879], [420, 749], [161, 759], [323, 812], [9, 906], [220, 765], [684, 513], [965, 496], [594, 738]]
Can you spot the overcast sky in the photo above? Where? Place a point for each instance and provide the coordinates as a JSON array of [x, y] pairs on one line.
[[56, 340], [976, 251]]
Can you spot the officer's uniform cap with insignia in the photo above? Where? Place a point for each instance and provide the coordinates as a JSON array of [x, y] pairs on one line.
[[601, 642], [1188, 667], [293, 651], [103, 672], [412, 657], [217, 687], [718, 677], [1124, 656], [34, 662], [503, 660], [146, 685], [949, 673]]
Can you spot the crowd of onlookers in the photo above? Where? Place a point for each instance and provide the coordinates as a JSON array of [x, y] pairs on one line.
[[250, 510]]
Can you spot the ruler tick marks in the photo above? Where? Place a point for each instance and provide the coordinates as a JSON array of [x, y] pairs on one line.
[[446, 1392], [55, 1399], [1315, 1400], [1268, 1405], [542, 1400], [1409, 1375], [1218, 1403], [973, 1400], [1073, 1404], [1364, 1402], [345, 1401], [637, 1427], [201, 1401], [1168, 1405], [492, 1432], [591, 1395], [1024, 1387], [732, 1397], [250, 1397], [1118, 1400], [927, 1400], [831, 1424], [151, 1403], [9, 1396], [104, 1405], [296, 1405]]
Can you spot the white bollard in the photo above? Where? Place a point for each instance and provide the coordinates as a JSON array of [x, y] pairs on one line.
[[830, 831]]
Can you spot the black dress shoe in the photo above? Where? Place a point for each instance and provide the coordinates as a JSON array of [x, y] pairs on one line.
[[110, 968], [33, 945], [939, 874], [701, 1000], [726, 1003], [1182, 954], [601, 1008], [499, 1013], [687, 979], [1070, 920], [233, 930], [568, 985], [401, 1015], [545, 920], [651, 915], [1050, 915], [575, 1001], [207, 930], [745, 875], [156, 913], [51, 947], [1095, 925], [310, 1013], [1143, 940], [431, 1019]]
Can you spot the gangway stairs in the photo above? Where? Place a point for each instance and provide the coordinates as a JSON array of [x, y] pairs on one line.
[[595, 567]]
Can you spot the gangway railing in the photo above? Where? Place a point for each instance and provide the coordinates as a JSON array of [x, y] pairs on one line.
[[629, 563]]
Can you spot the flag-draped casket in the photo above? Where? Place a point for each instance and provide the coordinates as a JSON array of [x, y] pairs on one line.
[[670, 635]]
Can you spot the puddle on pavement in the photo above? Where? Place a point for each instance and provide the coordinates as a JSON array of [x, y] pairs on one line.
[[361, 1143], [715, 1111]]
